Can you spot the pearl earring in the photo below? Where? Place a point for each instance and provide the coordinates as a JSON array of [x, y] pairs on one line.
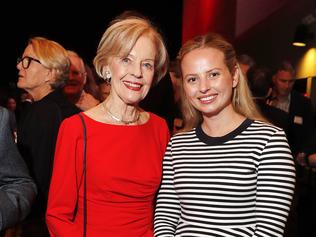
[[107, 76]]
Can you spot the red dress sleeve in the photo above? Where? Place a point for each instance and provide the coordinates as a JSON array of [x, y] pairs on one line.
[[63, 191]]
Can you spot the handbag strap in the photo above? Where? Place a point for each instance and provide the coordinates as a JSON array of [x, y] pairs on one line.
[[84, 176]]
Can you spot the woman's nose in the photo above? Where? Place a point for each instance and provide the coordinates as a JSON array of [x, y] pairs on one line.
[[137, 71], [204, 85]]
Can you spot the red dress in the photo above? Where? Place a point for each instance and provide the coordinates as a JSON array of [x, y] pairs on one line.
[[124, 168]]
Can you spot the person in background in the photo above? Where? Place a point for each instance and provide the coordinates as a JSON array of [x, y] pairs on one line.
[[91, 85], [260, 83], [105, 88], [17, 189], [12, 108], [125, 145], [298, 107], [160, 100], [74, 88], [245, 63], [11, 104], [42, 70], [230, 174], [301, 136], [23, 104], [175, 76]]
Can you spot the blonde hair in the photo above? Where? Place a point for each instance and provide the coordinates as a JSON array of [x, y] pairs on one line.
[[241, 99], [52, 56], [121, 36]]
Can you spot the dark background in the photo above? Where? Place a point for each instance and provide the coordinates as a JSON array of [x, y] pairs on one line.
[[78, 27]]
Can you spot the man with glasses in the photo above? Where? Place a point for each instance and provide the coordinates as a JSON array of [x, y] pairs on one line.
[[42, 70]]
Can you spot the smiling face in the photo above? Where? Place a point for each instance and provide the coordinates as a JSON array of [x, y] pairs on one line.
[[132, 75], [207, 81]]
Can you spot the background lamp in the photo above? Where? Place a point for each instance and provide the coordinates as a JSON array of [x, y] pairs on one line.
[[302, 35], [307, 69]]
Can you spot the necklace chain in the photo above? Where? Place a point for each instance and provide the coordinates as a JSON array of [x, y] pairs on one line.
[[118, 119]]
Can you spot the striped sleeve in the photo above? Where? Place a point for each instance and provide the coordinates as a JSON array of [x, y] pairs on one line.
[[275, 186], [168, 207]]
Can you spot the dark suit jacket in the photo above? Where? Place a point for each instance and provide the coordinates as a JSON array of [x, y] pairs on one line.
[[160, 101], [276, 116], [301, 124], [17, 189], [37, 134]]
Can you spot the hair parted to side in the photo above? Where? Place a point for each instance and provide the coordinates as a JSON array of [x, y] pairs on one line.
[[241, 100], [53, 56], [286, 66], [121, 36]]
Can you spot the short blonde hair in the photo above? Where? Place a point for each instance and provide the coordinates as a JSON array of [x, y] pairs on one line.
[[52, 56], [121, 36], [241, 100]]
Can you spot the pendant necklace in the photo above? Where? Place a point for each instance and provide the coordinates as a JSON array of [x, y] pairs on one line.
[[118, 119]]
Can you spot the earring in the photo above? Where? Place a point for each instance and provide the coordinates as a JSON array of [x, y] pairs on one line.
[[107, 76]]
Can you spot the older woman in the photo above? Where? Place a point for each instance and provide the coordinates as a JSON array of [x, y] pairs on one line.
[[43, 69], [125, 145]]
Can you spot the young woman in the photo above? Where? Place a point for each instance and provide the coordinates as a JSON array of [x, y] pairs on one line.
[[230, 174], [125, 145]]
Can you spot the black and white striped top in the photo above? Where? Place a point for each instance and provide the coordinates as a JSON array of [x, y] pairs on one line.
[[237, 185]]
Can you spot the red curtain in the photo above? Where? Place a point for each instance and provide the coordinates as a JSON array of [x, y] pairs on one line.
[[202, 16]]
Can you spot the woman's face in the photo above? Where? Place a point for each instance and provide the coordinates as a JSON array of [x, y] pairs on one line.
[[33, 77], [207, 82], [132, 76]]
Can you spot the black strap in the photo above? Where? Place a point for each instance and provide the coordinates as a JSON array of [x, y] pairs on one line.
[[84, 176]]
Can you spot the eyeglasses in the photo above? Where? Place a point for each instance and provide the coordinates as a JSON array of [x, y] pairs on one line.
[[26, 61]]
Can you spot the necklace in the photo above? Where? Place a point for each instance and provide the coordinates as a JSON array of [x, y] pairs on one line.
[[118, 119]]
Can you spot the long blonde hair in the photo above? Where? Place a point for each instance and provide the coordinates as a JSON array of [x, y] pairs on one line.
[[241, 99]]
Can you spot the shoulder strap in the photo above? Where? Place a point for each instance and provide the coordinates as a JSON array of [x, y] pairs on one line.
[[84, 176]]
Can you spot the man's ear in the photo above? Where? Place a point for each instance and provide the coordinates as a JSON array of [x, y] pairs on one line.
[[85, 75]]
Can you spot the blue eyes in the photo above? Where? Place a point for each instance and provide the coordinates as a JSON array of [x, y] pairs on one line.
[[148, 66], [145, 65]]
